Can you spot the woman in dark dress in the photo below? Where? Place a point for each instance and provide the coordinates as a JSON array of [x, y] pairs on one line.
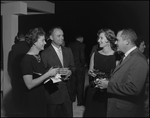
[[102, 62], [34, 74]]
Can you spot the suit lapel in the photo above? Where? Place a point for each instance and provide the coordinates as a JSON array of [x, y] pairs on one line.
[[124, 61]]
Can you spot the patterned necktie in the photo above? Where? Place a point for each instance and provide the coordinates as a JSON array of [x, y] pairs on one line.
[[60, 56]]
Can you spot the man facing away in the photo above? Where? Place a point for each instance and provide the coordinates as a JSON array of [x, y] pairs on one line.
[[78, 50]]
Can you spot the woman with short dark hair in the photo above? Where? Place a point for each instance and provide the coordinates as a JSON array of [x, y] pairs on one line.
[[34, 74]]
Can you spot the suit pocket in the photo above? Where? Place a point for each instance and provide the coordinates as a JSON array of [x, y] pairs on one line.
[[124, 106]]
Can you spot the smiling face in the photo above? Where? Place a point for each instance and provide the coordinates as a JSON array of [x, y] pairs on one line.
[[102, 40], [40, 43], [57, 37]]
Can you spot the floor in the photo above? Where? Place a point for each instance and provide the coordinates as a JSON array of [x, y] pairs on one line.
[[78, 110]]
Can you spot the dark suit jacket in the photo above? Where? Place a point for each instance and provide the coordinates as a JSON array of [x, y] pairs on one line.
[[78, 49], [50, 58], [16, 55], [126, 86]]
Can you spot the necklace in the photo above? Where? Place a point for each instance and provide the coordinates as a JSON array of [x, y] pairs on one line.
[[38, 58]]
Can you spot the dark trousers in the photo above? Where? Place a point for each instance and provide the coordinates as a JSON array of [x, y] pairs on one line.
[[96, 103], [80, 80], [60, 110]]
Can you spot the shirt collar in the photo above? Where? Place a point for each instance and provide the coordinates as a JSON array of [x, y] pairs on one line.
[[126, 54], [56, 47]]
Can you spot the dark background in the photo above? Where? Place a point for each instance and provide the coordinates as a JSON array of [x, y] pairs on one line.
[[87, 17]]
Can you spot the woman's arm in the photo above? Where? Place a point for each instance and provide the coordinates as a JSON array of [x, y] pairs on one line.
[[91, 68], [30, 82], [92, 62]]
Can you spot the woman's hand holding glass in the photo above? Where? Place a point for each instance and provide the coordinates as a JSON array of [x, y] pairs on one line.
[[53, 71], [91, 72], [97, 82]]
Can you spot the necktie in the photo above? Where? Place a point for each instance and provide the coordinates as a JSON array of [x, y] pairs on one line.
[[121, 59], [60, 56]]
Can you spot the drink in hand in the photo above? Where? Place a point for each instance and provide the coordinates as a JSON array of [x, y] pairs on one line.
[[63, 72]]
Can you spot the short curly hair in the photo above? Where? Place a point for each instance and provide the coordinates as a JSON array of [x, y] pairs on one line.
[[33, 35], [110, 35]]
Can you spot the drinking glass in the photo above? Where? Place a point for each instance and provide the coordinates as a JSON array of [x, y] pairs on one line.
[[63, 72]]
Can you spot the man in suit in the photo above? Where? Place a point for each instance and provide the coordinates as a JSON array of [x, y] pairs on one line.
[[126, 87], [58, 101], [16, 54], [78, 50]]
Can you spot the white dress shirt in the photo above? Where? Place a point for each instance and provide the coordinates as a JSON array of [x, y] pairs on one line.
[[128, 52]]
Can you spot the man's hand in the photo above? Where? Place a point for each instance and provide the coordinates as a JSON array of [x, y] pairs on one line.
[[66, 72], [103, 83], [69, 73]]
